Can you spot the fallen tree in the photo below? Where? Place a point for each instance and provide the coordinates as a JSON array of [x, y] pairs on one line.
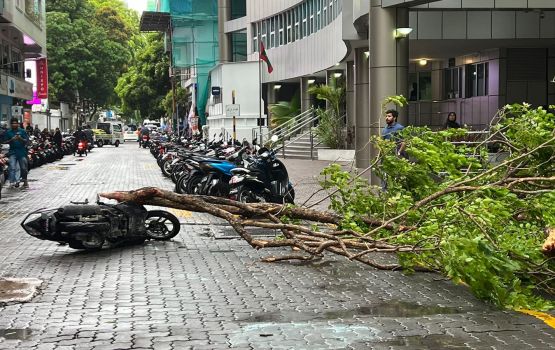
[[447, 208]]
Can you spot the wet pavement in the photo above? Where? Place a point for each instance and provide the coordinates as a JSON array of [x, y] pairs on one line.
[[208, 290]]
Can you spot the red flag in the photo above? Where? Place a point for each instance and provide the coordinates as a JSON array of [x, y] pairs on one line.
[[265, 58]]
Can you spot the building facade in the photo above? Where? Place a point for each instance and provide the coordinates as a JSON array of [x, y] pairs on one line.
[[466, 56], [22, 39]]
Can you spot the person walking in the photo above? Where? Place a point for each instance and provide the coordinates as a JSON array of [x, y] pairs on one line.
[[17, 138]]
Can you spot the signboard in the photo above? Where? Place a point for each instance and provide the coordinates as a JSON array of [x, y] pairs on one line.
[[42, 78], [216, 91], [232, 110]]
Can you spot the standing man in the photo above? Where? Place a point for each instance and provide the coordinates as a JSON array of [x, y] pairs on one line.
[[36, 131], [17, 138], [390, 131]]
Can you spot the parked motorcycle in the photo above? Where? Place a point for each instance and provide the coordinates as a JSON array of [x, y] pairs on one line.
[[89, 227], [264, 180]]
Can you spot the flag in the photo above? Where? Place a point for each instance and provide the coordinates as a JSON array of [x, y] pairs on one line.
[[265, 58]]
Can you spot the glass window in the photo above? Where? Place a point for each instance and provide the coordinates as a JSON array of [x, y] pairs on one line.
[[297, 23], [425, 86], [263, 32], [325, 14], [477, 79], [311, 21], [453, 83], [272, 32], [304, 30], [5, 57], [255, 37], [318, 15], [281, 17], [289, 32]]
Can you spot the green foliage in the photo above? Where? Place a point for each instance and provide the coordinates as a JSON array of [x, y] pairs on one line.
[[182, 99], [481, 223], [284, 111], [146, 83], [87, 48], [330, 127]]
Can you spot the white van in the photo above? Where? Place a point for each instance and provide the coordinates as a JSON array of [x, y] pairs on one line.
[[109, 133]]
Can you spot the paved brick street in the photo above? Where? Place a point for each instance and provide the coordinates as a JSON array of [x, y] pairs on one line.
[[198, 292]]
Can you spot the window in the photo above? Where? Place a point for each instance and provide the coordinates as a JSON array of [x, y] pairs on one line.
[[288, 15], [297, 23], [453, 83], [311, 21], [281, 20], [17, 64], [303, 25], [5, 57], [477, 79], [330, 12], [420, 86], [263, 33], [318, 15], [255, 37], [272, 32], [325, 14]]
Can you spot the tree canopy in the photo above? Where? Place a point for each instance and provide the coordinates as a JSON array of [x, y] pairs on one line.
[[146, 83], [88, 47]]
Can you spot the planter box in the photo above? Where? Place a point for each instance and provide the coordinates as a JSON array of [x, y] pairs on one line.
[[336, 154]]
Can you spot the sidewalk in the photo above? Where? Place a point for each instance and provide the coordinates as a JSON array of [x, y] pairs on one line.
[[198, 292]]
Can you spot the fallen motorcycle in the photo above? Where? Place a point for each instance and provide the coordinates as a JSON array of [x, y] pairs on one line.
[[89, 227]]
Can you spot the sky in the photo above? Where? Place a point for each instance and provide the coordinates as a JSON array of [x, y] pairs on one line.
[[138, 5]]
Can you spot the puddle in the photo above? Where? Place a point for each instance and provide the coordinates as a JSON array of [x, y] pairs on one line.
[[385, 309], [267, 335], [432, 342], [15, 334]]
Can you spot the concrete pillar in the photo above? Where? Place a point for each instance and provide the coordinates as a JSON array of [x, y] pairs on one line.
[[224, 14], [362, 117], [389, 64], [306, 100], [350, 102]]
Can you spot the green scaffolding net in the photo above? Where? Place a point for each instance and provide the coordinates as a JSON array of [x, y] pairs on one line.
[[195, 41]]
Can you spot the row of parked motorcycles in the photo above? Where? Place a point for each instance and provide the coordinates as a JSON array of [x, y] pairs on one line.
[[39, 152], [240, 171]]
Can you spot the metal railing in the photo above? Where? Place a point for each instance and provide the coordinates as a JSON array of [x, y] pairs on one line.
[[286, 129]]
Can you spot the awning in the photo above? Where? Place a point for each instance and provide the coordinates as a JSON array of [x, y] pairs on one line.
[[155, 21]]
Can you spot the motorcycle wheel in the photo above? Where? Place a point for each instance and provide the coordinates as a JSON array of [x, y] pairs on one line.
[[245, 195], [193, 184], [161, 225], [181, 184], [166, 168], [95, 242]]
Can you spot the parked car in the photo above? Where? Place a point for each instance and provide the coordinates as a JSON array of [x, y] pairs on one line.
[[130, 133]]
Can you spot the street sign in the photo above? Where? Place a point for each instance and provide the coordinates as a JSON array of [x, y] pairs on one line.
[[232, 111], [216, 90]]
